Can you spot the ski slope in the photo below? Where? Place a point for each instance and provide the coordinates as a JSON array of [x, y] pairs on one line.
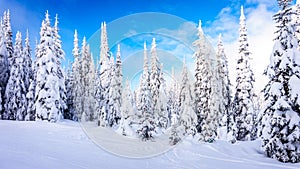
[[30, 145]]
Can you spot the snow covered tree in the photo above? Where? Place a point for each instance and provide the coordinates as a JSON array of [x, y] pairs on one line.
[[280, 116], [115, 91], [77, 91], [172, 103], [155, 79], [224, 89], [8, 35], [203, 89], [4, 67], [87, 80], [147, 119], [49, 78], [127, 112], [103, 84], [28, 62], [30, 96], [243, 107], [69, 113], [15, 94]]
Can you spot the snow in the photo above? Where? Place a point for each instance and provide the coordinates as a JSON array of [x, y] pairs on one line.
[[28, 144]]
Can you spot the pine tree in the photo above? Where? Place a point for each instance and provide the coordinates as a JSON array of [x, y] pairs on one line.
[[49, 78], [28, 62], [172, 103], [103, 83], [225, 94], [204, 90], [15, 94], [8, 36], [4, 67], [87, 77], [147, 119], [155, 79], [77, 91], [280, 116], [69, 113], [127, 112], [243, 107]]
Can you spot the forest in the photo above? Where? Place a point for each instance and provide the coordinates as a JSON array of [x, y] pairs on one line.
[[205, 107]]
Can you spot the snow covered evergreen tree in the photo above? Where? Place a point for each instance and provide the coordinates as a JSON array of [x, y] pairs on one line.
[[103, 84], [127, 112], [49, 78], [4, 67], [28, 62], [115, 91], [243, 107], [224, 89], [8, 35], [87, 80], [203, 89], [77, 92], [172, 103], [147, 119], [15, 94], [69, 113], [280, 117]]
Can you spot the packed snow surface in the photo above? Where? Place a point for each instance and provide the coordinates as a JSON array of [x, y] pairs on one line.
[[65, 145]]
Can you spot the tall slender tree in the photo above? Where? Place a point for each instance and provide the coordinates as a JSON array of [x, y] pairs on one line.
[[15, 94], [49, 78], [243, 107], [8, 35], [280, 117]]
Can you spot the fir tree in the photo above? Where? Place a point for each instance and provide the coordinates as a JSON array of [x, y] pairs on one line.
[[203, 89], [280, 116], [147, 119], [243, 107], [49, 78], [4, 67], [127, 112], [8, 36], [224, 88], [15, 94], [77, 91], [28, 62], [69, 113]]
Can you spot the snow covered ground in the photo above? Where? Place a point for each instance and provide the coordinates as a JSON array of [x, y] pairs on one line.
[[65, 145]]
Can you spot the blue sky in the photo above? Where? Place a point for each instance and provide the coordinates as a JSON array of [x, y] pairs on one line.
[[218, 16]]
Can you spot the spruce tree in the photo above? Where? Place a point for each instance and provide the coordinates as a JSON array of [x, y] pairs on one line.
[[4, 67], [49, 78], [28, 62], [15, 94], [204, 90], [77, 91], [8, 36], [243, 107], [224, 89], [280, 116]]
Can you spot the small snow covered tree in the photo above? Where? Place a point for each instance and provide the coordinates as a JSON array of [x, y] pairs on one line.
[[172, 103], [4, 67], [204, 97], [15, 94], [49, 78], [280, 116], [224, 89], [243, 107], [28, 62], [127, 112], [77, 92]]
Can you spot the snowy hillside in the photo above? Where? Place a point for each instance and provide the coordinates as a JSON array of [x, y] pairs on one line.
[[65, 145]]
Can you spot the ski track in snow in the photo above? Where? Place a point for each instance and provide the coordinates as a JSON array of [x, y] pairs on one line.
[[65, 145]]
